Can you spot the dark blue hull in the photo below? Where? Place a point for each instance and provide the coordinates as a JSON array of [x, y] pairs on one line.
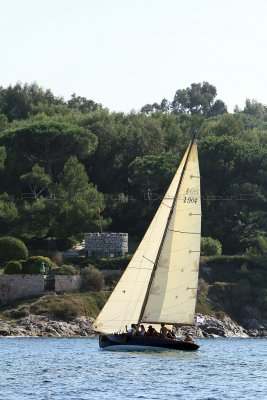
[[125, 341]]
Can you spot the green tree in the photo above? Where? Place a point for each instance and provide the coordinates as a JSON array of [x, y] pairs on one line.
[[174, 138], [48, 143], [218, 108], [9, 214], [210, 247], [3, 122], [152, 173], [82, 104], [36, 180], [151, 108], [121, 138], [233, 175], [2, 158], [36, 219], [78, 201], [253, 107], [17, 101], [11, 249], [197, 99], [227, 124]]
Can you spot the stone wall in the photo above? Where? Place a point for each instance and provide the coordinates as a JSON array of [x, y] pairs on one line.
[[105, 244], [14, 287], [67, 282]]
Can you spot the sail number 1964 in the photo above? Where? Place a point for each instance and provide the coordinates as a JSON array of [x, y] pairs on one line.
[[191, 195]]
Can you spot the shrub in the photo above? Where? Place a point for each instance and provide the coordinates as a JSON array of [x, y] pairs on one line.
[[64, 309], [68, 270], [13, 267], [203, 287], [210, 247], [221, 315], [112, 280], [11, 249], [20, 312], [79, 261], [119, 263], [258, 246], [57, 258], [33, 264], [92, 279]]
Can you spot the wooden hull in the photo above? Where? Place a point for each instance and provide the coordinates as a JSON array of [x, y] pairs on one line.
[[125, 341]]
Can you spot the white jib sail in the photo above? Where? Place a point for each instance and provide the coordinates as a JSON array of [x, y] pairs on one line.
[[172, 296], [125, 303]]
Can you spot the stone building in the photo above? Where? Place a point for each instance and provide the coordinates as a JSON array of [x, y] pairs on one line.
[[106, 244]]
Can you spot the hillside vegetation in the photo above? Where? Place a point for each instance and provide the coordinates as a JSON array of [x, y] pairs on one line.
[[63, 306], [71, 166]]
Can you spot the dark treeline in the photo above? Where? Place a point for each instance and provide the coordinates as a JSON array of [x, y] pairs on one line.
[[67, 167]]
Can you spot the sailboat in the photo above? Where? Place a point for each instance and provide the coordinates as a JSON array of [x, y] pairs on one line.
[[160, 283]]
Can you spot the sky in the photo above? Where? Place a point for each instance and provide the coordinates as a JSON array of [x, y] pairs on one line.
[[127, 53]]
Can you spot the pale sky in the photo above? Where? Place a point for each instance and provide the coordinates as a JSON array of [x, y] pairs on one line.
[[125, 53]]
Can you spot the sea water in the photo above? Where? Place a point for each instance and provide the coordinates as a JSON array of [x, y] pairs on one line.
[[66, 369]]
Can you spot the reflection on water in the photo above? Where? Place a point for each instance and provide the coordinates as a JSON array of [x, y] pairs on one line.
[[77, 369]]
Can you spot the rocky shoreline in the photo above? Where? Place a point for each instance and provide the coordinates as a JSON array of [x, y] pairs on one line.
[[207, 327], [43, 326], [222, 326]]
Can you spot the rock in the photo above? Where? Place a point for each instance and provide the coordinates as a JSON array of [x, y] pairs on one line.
[[39, 325], [255, 324], [253, 333], [219, 325], [4, 332], [213, 330], [262, 333]]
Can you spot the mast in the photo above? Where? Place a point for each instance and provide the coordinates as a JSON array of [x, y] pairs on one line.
[[165, 233]]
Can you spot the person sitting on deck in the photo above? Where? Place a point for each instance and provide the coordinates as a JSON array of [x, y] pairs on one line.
[[151, 331], [132, 330], [166, 333], [142, 330], [171, 334], [188, 338]]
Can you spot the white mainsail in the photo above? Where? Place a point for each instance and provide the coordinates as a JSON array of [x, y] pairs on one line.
[[172, 296], [126, 303]]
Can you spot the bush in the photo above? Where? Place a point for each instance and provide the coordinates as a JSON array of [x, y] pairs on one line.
[[33, 264], [203, 288], [68, 270], [57, 258], [210, 247], [64, 309], [258, 246], [13, 267], [79, 261], [119, 263], [12, 249], [20, 312], [112, 280], [92, 279], [222, 268]]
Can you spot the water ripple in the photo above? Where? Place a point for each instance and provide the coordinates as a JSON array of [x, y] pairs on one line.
[[75, 369]]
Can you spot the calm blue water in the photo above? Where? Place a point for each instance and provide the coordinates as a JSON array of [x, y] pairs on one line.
[[64, 369]]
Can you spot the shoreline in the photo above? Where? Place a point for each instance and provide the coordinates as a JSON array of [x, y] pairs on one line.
[[39, 326]]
